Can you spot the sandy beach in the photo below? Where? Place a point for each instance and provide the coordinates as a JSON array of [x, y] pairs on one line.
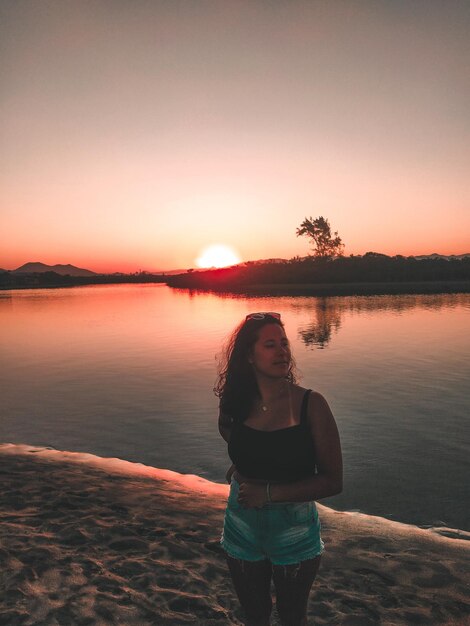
[[90, 541]]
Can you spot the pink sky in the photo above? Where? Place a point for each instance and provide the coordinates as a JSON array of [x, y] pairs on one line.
[[135, 134]]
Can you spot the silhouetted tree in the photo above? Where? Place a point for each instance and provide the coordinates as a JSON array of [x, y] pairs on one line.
[[324, 245]]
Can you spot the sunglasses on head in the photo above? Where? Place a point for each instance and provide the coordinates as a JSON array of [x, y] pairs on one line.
[[263, 315]]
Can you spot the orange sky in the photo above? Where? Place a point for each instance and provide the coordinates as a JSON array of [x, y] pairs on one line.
[[136, 134]]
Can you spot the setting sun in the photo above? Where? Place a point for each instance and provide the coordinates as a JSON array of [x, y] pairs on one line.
[[217, 256]]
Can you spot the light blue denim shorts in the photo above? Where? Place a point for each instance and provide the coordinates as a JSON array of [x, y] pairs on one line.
[[285, 533]]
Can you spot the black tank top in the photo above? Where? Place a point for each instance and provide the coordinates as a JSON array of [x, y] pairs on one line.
[[284, 455]]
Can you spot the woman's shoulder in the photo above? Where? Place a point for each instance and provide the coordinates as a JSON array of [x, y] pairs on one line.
[[314, 396], [308, 400], [319, 412], [317, 406]]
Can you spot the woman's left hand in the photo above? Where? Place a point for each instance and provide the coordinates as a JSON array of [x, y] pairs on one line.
[[252, 495]]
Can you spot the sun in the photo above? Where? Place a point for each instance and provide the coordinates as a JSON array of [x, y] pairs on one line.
[[217, 255]]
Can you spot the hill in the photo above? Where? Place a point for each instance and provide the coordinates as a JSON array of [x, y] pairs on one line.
[[62, 270], [448, 257]]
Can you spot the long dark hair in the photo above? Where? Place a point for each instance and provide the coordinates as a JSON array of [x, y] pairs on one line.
[[236, 384]]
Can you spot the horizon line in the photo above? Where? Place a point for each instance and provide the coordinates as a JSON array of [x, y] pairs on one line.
[[173, 269]]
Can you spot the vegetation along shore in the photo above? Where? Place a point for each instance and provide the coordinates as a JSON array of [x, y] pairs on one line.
[[370, 274]]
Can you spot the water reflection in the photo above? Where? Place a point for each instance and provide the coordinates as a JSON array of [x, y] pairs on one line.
[[327, 312], [327, 321]]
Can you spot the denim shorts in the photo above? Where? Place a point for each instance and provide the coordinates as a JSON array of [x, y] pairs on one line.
[[285, 533]]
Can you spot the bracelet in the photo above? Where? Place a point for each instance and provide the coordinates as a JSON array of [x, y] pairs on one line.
[[268, 492]]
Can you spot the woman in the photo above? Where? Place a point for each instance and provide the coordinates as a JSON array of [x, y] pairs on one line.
[[285, 449]]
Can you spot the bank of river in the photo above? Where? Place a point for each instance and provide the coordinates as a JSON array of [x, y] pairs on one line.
[[342, 289]]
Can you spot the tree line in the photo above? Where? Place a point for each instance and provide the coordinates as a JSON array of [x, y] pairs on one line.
[[11, 280], [327, 265], [368, 268]]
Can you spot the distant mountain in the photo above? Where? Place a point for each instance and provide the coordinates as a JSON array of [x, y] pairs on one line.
[[63, 270], [449, 257]]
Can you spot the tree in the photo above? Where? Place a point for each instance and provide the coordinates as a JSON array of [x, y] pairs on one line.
[[324, 245]]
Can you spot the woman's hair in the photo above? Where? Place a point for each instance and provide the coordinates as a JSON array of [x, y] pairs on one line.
[[236, 384]]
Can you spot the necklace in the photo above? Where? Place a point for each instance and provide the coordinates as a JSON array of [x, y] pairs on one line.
[[265, 406]]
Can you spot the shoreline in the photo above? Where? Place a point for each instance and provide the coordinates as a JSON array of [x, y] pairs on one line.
[[338, 289], [289, 289], [86, 540], [189, 482], [195, 482]]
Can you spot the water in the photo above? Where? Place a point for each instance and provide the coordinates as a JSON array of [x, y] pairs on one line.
[[127, 371]]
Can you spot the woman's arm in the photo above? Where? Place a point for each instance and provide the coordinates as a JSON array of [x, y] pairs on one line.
[[225, 429], [329, 479]]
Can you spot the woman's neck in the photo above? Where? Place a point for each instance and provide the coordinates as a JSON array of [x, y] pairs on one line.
[[272, 389]]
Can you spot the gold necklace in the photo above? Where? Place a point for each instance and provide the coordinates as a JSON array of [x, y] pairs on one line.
[[265, 407]]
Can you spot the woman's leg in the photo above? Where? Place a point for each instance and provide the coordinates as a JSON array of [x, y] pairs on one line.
[[293, 584], [252, 582]]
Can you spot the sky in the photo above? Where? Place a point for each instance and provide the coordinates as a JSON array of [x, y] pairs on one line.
[[136, 133]]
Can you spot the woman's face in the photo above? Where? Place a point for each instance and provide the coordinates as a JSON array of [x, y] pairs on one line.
[[271, 354]]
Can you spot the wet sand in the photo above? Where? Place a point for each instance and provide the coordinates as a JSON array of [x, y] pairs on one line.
[[85, 541]]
